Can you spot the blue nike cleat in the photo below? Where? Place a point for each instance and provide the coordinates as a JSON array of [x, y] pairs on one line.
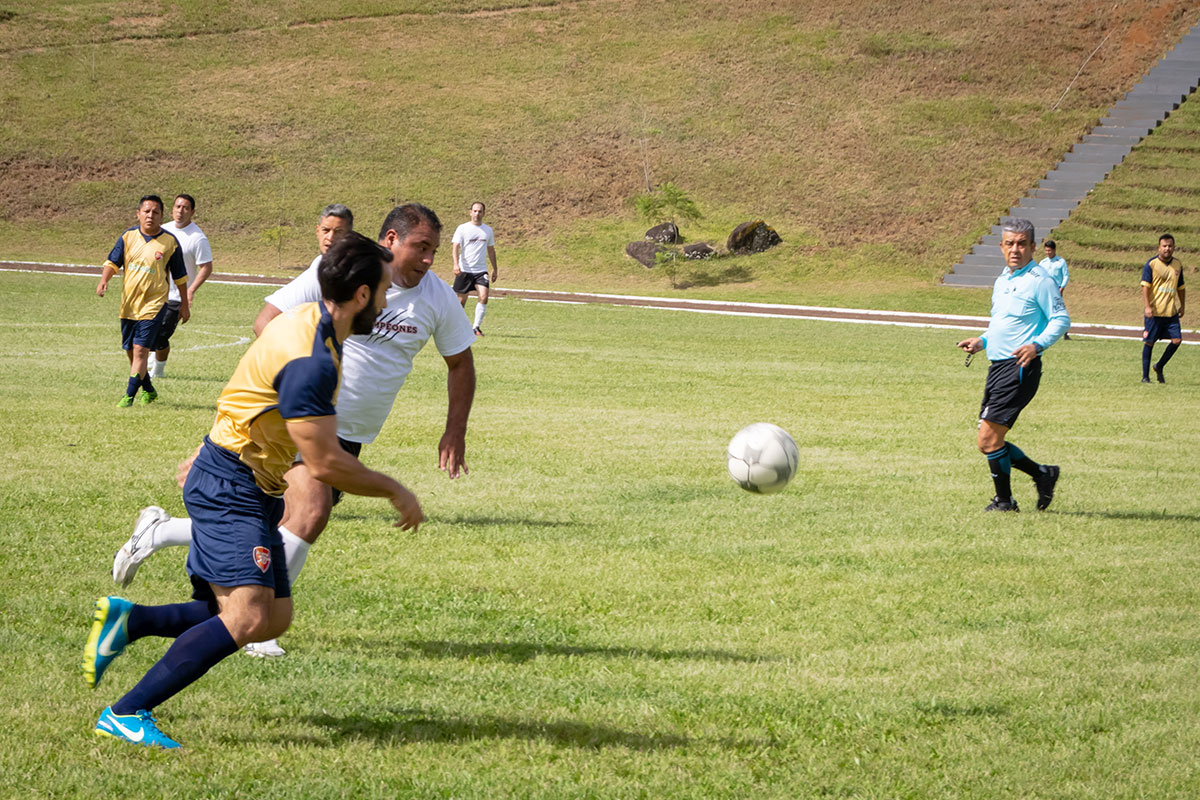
[[139, 728], [107, 639]]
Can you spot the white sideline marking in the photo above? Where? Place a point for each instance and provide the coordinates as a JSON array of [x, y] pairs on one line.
[[766, 311]]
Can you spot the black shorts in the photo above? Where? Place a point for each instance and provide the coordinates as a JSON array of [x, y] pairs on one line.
[[464, 282], [1008, 390], [142, 332], [1161, 328], [169, 323]]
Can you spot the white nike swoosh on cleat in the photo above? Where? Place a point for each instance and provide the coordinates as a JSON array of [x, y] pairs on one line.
[[106, 643], [133, 736]]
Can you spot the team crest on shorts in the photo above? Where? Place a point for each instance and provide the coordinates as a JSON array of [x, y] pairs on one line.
[[262, 557]]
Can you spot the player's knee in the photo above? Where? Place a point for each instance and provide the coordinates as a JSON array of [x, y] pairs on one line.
[[249, 624]]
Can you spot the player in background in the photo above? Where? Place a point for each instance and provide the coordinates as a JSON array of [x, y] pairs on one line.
[[151, 260], [1163, 297], [1028, 315], [375, 366], [280, 401], [471, 248], [336, 221], [1056, 267], [197, 258]]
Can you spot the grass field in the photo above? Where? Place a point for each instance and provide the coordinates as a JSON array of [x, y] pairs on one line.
[[880, 140], [597, 610]]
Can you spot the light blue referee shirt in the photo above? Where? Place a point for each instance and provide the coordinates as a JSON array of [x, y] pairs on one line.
[[1026, 308], [1056, 268]]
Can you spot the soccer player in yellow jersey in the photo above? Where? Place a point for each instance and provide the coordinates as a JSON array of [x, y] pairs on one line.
[[1163, 298], [151, 259], [280, 400]]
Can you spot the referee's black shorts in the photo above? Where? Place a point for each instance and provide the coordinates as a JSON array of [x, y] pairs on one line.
[[1009, 389], [466, 282]]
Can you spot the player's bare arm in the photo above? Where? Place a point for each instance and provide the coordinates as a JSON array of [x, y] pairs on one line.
[[460, 386], [491, 252], [1149, 310], [268, 313], [105, 276], [1180, 292], [316, 439], [203, 271], [454, 258]]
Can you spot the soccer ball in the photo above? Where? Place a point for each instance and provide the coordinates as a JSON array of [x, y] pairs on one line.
[[762, 458]]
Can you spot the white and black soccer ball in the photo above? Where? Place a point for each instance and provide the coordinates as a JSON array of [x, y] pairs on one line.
[[762, 458]]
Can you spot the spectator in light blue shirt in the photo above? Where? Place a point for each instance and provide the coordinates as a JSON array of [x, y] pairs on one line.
[[1028, 315], [1056, 267]]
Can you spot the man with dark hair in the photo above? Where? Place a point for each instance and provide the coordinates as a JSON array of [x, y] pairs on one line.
[[419, 305], [336, 221], [472, 248], [1028, 315], [280, 400], [1055, 266], [1163, 299], [151, 260], [197, 258]]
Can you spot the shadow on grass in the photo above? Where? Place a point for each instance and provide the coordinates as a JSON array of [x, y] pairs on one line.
[[1147, 516], [953, 711], [412, 726], [520, 652], [717, 278], [475, 521]]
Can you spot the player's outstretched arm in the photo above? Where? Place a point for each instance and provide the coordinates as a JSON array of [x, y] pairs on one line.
[[316, 439], [268, 313], [460, 386]]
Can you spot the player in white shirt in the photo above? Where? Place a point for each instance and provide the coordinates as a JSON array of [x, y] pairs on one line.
[[473, 246], [197, 258], [420, 305]]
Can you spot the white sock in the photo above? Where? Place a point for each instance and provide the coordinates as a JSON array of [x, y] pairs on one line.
[[480, 310], [295, 551], [174, 532]]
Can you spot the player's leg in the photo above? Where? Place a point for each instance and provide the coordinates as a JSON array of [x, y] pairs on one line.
[[1175, 334], [128, 330], [1149, 337], [161, 349], [991, 443], [307, 505], [481, 288], [153, 530]]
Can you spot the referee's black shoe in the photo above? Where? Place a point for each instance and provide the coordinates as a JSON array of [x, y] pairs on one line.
[[1047, 477], [1158, 374], [1002, 505]]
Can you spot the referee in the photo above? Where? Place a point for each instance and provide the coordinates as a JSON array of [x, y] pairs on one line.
[[1028, 315]]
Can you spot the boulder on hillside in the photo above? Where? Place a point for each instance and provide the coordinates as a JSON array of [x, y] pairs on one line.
[[644, 252], [752, 237], [667, 233], [698, 251]]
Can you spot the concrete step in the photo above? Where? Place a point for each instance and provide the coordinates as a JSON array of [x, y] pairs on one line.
[[1072, 193], [980, 269], [1043, 205], [1131, 121], [1107, 136], [1088, 157], [1125, 129], [969, 281], [983, 251]]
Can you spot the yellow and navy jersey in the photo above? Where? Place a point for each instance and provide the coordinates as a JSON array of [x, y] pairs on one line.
[[289, 374], [1165, 281], [147, 261]]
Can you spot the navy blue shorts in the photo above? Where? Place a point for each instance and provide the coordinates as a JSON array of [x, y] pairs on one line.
[[1161, 328], [235, 535], [142, 332], [169, 323], [1008, 390], [464, 282]]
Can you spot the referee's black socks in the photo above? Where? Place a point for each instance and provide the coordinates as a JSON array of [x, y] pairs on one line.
[[1022, 461], [1000, 465]]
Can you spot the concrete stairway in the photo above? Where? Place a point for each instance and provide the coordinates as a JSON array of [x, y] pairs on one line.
[[1090, 161]]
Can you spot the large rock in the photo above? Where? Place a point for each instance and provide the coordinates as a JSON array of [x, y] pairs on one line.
[[643, 252], [752, 237], [667, 233], [698, 251]]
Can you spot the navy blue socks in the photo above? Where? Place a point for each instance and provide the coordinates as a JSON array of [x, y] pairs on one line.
[[194, 653]]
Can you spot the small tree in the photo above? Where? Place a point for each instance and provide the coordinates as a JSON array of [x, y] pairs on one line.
[[276, 236], [668, 203], [668, 261]]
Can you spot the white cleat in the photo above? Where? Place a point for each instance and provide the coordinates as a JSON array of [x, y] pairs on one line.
[[268, 649], [140, 545]]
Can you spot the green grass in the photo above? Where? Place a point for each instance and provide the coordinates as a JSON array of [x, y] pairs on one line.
[[853, 133], [596, 610]]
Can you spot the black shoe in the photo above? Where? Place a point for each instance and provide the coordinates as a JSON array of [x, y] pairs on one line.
[[1045, 485], [1158, 374], [1145, 380], [1067, 336], [1002, 505], [478, 332]]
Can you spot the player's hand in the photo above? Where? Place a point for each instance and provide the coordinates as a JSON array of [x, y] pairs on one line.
[[185, 466], [101, 288], [1149, 312], [191, 297], [457, 270], [972, 345], [185, 313], [1025, 354], [451, 455], [406, 505]]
